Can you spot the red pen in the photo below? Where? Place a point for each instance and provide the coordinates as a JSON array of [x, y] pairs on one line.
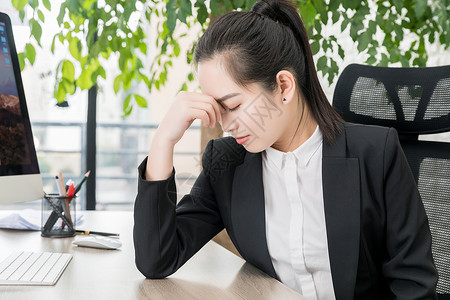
[[71, 191]]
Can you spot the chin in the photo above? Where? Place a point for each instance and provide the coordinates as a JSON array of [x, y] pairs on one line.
[[255, 147]]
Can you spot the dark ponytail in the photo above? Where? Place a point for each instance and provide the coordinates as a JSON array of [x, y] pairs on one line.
[[256, 45]]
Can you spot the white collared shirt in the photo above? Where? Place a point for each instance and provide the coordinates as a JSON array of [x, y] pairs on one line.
[[295, 218]]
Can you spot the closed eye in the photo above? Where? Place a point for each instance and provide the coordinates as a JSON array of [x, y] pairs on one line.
[[234, 108]]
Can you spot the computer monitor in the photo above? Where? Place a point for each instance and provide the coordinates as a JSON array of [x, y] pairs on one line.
[[20, 179]]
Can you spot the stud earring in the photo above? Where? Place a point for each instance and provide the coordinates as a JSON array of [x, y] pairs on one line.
[[284, 99]]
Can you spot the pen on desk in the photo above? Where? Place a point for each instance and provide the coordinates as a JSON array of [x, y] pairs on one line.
[[71, 192], [54, 215], [66, 202], [58, 185], [87, 232], [78, 187]]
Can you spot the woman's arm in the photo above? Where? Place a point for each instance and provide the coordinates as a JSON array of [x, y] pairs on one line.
[[166, 235], [165, 238], [410, 268]]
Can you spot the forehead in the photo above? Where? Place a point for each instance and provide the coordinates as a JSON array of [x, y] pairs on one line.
[[215, 80]]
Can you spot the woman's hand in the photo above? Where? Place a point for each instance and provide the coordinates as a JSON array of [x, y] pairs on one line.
[[186, 107]]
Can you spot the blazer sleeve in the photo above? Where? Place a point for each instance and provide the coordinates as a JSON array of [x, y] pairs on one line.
[[166, 235], [409, 268]]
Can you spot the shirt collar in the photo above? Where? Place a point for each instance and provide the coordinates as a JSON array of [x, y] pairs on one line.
[[303, 153]]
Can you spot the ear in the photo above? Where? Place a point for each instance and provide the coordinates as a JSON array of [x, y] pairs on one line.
[[286, 85]]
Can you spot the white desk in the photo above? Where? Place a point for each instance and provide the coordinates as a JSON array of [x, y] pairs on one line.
[[213, 273]]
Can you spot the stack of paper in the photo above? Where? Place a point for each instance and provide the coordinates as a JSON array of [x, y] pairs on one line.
[[27, 219]]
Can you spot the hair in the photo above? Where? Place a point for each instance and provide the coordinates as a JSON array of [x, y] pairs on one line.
[[257, 44]]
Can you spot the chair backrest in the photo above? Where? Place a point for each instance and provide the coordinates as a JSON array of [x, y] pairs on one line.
[[414, 101]]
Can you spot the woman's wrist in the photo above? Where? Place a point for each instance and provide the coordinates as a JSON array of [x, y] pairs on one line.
[[160, 159]]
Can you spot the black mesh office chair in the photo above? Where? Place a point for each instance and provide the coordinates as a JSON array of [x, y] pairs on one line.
[[414, 101]]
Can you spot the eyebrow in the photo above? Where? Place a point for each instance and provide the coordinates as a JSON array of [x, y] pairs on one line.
[[227, 97]]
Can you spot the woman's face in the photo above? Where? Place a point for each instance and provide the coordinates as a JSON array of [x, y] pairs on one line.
[[255, 118]]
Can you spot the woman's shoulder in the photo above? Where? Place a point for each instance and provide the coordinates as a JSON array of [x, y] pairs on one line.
[[363, 137], [377, 133]]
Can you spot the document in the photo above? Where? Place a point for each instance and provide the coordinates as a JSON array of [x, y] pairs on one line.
[[27, 219]]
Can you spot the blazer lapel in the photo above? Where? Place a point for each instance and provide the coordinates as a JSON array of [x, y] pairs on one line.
[[341, 193], [248, 213]]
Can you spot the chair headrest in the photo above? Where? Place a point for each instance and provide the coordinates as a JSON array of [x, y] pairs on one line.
[[412, 100]]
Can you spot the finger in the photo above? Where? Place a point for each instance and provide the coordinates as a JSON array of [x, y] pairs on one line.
[[209, 109], [200, 114], [203, 98]]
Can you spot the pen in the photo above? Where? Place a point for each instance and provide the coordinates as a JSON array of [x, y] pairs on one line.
[[78, 187], [71, 192], [87, 232], [58, 185], [53, 216], [66, 202]]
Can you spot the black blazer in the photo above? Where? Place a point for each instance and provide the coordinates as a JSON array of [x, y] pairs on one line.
[[378, 236]]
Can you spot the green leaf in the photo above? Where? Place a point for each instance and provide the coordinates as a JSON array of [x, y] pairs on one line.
[[47, 4], [130, 7], [186, 6], [30, 53], [341, 52], [315, 47], [171, 20], [344, 24], [336, 16], [363, 41], [62, 13], [143, 48], [33, 3], [101, 71], [215, 8], [420, 7], [321, 63], [36, 30], [68, 70], [308, 13], [85, 80], [176, 49], [371, 60], [404, 61], [41, 15], [117, 82], [238, 3], [52, 48], [60, 92], [183, 87], [19, 4], [202, 13], [249, 4], [320, 7], [127, 111], [22, 15], [126, 102], [140, 100], [21, 61], [181, 15], [69, 86], [75, 48]]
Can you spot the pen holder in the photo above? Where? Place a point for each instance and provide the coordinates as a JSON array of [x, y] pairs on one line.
[[58, 216]]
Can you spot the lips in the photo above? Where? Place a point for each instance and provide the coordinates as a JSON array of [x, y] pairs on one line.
[[241, 140]]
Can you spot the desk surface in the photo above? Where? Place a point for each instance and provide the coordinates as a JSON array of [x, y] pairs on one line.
[[213, 273]]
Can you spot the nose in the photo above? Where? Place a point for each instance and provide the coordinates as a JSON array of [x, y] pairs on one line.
[[229, 123]]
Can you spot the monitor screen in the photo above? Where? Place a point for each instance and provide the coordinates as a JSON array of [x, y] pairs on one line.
[[19, 171]]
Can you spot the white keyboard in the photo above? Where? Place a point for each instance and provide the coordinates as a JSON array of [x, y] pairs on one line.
[[33, 268]]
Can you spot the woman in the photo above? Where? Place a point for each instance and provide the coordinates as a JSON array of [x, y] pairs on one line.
[[330, 209]]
